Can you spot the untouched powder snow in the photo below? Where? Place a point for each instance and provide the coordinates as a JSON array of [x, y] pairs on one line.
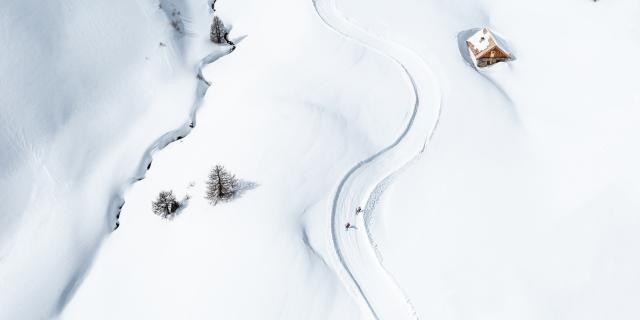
[[89, 90], [510, 193], [292, 116], [525, 205]]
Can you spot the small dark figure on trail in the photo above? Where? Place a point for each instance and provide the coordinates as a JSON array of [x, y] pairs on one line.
[[358, 210], [221, 185], [165, 205], [349, 226]]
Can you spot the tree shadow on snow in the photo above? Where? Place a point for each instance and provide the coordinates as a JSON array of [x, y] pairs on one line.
[[243, 187]]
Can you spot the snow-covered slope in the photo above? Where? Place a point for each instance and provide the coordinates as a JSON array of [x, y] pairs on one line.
[[354, 250], [290, 115], [87, 88], [525, 205]]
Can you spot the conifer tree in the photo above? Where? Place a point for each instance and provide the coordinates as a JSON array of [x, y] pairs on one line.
[[165, 204], [218, 31], [221, 185]]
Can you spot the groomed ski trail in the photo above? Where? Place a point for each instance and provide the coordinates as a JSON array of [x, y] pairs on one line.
[[358, 264]]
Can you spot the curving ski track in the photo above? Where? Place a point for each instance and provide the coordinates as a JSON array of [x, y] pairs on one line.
[[361, 267]]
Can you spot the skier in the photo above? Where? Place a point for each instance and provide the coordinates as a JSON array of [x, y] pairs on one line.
[[348, 226], [358, 210]]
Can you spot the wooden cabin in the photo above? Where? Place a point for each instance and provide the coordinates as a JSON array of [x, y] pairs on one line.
[[485, 49]]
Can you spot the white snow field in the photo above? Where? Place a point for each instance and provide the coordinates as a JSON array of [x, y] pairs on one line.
[[507, 193], [526, 203], [290, 113], [88, 91]]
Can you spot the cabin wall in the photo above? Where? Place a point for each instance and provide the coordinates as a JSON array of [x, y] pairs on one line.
[[485, 62]]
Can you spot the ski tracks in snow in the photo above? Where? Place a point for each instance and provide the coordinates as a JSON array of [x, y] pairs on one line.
[[359, 264]]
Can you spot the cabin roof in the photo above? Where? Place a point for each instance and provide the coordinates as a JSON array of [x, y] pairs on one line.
[[484, 40]]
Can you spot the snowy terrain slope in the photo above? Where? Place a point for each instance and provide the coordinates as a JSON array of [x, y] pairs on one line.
[[507, 193], [87, 89], [383, 298], [291, 115], [526, 203]]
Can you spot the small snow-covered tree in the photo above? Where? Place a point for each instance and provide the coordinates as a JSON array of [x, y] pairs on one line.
[[221, 185], [165, 204], [218, 31]]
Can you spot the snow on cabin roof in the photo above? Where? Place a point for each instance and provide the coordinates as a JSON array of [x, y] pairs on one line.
[[480, 39], [483, 40]]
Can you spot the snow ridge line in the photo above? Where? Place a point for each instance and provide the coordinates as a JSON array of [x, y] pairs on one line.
[[186, 128], [117, 200], [383, 288]]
